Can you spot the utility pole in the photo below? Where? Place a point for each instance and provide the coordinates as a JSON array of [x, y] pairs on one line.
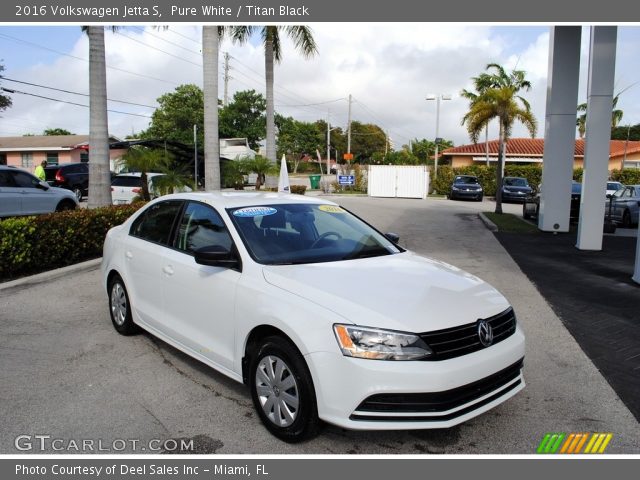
[[349, 127], [386, 143], [226, 78], [195, 153], [329, 142]]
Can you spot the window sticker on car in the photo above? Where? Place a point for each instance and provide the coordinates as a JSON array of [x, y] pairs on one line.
[[330, 209], [254, 212]]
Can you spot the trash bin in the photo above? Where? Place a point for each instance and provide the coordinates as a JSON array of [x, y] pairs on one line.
[[315, 181]]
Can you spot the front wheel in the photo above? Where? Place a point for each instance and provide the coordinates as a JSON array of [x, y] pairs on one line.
[[120, 308], [282, 391], [626, 219], [65, 205]]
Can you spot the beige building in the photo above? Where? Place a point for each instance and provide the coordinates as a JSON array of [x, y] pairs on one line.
[[28, 152], [530, 151]]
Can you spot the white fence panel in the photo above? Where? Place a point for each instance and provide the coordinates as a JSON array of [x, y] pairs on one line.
[[406, 181]]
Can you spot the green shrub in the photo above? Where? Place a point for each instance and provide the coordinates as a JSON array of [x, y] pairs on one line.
[[298, 189], [628, 176], [36, 244]]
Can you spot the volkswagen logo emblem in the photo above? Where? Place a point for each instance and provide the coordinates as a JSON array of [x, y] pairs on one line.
[[485, 333]]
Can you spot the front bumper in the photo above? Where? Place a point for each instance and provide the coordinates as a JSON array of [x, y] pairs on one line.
[[394, 395], [514, 196], [466, 194]]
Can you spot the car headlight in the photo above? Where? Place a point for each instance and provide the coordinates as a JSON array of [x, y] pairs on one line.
[[479, 189], [379, 344], [455, 188]]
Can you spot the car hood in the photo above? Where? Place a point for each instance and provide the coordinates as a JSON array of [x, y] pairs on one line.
[[517, 188], [403, 291]]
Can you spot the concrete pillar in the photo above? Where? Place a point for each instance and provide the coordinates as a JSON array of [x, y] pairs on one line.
[[602, 64], [560, 128], [636, 270]]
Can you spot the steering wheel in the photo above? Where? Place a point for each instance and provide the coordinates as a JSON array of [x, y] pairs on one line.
[[323, 236]]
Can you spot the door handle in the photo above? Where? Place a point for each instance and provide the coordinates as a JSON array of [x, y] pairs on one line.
[[129, 255], [168, 269]]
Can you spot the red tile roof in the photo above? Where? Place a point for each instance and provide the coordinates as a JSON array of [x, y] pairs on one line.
[[534, 147]]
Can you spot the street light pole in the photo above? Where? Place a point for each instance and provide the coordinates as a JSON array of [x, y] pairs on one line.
[[195, 152], [437, 99]]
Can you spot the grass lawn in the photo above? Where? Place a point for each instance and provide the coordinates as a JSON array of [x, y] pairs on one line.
[[509, 223]]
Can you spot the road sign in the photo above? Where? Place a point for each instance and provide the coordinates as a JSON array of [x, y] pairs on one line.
[[347, 179], [348, 156]]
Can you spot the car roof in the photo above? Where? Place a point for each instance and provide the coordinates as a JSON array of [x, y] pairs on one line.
[[137, 174], [235, 199], [60, 165]]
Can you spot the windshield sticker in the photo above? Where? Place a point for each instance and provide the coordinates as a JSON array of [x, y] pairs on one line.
[[254, 212], [330, 209]]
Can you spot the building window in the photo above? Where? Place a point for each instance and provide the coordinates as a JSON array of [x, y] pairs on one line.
[[84, 157], [52, 158], [27, 160], [3, 159]]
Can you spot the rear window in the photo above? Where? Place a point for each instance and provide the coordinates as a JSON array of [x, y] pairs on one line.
[[127, 182]]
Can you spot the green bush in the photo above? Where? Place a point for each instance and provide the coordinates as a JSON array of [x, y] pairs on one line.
[[36, 244], [628, 176], [298, 189]]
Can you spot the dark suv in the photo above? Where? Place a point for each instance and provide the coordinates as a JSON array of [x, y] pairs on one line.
[[466, 186], [72, 176]]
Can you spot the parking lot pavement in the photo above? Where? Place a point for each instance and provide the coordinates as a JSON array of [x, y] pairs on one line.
[[68, 374]]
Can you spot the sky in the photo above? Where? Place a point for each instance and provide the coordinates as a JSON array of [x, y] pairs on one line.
[[389, 69]]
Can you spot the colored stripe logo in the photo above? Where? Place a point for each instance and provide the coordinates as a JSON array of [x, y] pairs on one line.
[[569, 443]]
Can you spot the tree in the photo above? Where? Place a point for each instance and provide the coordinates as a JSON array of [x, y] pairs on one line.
[[630, 131], [143, 160], [482, 83], [501, 103], [366, 139], [244, 117], [5, 100], [616, 116], [99, 171], [423, 149], [56, 131], [210, 43], [295, 139], [304, 43], [260, 165], [176, 115]]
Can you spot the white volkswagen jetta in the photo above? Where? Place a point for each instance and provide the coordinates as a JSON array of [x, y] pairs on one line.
[[321, 315]]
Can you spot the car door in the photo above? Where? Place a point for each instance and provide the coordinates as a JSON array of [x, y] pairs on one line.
[[145, 251], [200, 300], [34, 197], [10, 195], [620, 199]]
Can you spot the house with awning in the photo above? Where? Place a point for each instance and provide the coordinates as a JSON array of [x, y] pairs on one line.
[[529, 151]]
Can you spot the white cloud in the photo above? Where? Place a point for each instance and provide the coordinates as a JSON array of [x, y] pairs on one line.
[[388, 68]]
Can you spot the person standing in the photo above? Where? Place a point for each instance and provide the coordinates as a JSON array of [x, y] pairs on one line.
[[39, 172]]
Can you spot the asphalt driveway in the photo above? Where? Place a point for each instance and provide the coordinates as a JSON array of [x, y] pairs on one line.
[[66, 373]]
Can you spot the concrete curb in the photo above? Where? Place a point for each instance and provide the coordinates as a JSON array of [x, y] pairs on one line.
[[51, 274], [488, 223]]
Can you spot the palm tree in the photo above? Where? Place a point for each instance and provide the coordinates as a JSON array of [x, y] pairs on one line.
[[99, 171], [481, 84], [143, 160], [210, 42], [304, 43], [616, 116], [501, 103]]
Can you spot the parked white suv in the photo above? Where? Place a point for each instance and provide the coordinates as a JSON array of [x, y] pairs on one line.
[[127, 186], [22, 193]]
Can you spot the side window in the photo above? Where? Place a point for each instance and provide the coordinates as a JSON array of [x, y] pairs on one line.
[[156, 223], [6, 179], [627, 193], [201, 226], [25, 180]]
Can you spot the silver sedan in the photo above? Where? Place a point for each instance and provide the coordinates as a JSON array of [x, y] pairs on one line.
[[624, 208]]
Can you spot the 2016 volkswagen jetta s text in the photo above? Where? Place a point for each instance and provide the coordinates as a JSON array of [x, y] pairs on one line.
[[322, 316]]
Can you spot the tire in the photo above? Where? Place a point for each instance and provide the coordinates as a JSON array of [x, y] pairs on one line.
[[479, 199], [120, 308], [77, 191], [626, 219], [300, 420], [65, 205], [525, 213]]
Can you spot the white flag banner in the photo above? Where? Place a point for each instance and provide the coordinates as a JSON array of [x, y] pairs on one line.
[[283, 181]]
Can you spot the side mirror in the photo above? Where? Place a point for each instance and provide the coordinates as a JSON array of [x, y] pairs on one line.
[[217, 256], [42, 185], [393, 237], [609, 195]]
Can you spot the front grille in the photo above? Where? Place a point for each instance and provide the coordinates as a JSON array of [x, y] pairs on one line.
[[434, 402], [461, 340]]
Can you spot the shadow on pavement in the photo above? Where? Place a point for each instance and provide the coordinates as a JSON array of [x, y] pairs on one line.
[[594, 296]]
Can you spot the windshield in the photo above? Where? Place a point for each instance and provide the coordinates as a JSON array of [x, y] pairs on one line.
[[303, 233], [516, 182], [465, 180]]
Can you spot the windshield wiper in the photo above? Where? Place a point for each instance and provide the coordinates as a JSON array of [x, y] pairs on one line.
[[366, 253]]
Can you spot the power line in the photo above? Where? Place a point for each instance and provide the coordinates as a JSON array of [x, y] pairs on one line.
[[70, 103], [159, 49], [199, 43], [74, 93], [42, 47], [146, 32]]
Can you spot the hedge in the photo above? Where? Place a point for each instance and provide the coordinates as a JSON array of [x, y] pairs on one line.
[[533, 174], [35, 244]]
